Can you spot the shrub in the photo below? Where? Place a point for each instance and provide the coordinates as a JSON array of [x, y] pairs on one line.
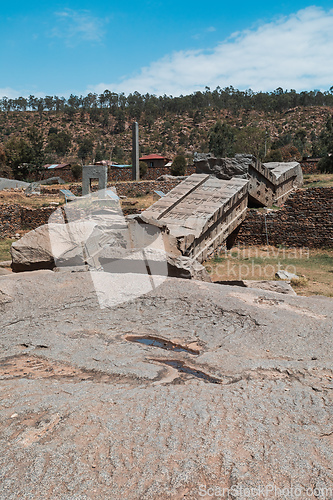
[[143, 168], [76, 171], [326, 164], [178, 166]]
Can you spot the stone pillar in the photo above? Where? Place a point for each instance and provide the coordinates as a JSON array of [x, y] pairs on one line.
[[135, 152]]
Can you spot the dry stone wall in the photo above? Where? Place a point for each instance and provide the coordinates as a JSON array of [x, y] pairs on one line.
[[15, 218], [306, 219], [114, 174], [310, 166], [129, 188]]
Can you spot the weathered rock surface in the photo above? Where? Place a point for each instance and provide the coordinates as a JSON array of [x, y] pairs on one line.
[[270, 285], [186, 268], [50, 243], [4, 271], [223, 168], [32, 251], [230, 388], [5, 263]]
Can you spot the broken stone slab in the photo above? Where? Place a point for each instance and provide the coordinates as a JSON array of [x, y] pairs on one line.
[[285, 275], [152, 261], [33, 251], [12, 184], [52, 180], [269, 183], [200, 213], [33, 188], [270, 285], [82, 245], [168, 177], [186, 268], [51, 243]]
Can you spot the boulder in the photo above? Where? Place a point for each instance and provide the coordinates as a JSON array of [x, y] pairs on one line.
[[49, 244], [285, 275], [33, 251], [186, 268], [224, 168]]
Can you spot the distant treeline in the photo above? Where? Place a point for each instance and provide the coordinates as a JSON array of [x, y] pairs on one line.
[[135, 104]]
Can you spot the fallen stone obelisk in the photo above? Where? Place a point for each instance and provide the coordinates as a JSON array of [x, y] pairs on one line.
[[200, 213], [269, 183]]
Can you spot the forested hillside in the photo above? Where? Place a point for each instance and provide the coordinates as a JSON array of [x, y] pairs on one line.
[[281, 125]]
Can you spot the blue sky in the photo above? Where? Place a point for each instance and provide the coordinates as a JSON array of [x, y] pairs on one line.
[[170, 47]]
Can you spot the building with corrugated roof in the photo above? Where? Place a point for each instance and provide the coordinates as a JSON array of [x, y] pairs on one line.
[[154, 160]]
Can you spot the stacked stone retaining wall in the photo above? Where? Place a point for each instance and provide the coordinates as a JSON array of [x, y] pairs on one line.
[[310, 166], [130, 188], [15, 218], [115, 174], [305, 220]]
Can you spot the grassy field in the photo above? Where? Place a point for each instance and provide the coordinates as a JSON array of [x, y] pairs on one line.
[[318, 180], [35, 201], [313, 266], [139, 202], [4, 249]]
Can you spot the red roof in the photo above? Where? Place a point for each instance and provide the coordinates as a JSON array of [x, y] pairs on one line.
[[153, 157]]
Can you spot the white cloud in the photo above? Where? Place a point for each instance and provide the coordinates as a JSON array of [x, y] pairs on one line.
[[76, 26], [9, 92], [291, 52]]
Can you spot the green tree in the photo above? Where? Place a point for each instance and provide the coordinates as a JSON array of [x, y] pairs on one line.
[[326, 139], [59, 142], [300, 140], [273, 155], [99, 153], [5, 170], [143, 168], [221, 140], [118, 154], [2, 157], [250, 140], [18, 157], [76, 171], [178, 166], [326, 164], [86, 148], [36, 141]]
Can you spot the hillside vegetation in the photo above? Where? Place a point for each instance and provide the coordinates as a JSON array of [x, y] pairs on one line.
[[282, 125]]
